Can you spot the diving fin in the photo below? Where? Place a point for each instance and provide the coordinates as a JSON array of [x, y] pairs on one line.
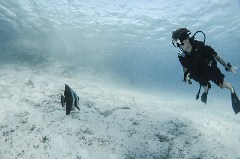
[[204, 97], [235, 103]]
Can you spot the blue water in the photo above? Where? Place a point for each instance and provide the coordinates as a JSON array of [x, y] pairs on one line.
[[129, 40]]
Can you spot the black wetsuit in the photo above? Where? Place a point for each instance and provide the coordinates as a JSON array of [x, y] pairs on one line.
[[201, 64]]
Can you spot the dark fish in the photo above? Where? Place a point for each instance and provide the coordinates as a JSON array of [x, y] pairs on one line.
[[71, 99]]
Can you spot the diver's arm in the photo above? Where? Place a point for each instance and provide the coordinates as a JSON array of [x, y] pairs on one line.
[[186, 76], [221, 61], [184, 70], [213, 53], [228, 67]]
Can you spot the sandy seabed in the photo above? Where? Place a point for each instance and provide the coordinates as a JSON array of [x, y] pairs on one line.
[[113, 123]]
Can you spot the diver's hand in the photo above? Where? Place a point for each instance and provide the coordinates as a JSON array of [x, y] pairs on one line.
[[187, 79], [231, 68]]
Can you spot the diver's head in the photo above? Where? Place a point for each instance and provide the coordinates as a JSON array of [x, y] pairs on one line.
[[181, 39], [180, 34], [186, 45]]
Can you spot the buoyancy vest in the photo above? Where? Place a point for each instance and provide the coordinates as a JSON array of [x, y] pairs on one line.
[[200, 62]]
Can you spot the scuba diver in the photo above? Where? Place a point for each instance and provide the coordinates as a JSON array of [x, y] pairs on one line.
[[199, 62]]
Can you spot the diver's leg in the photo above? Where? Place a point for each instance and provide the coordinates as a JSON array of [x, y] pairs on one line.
[[218, 78], [205, 93], [234, 97], [227, 85], [205, 89]]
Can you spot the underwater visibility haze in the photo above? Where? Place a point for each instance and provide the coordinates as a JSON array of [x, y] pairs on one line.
[[130, 41], [123, 76]]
